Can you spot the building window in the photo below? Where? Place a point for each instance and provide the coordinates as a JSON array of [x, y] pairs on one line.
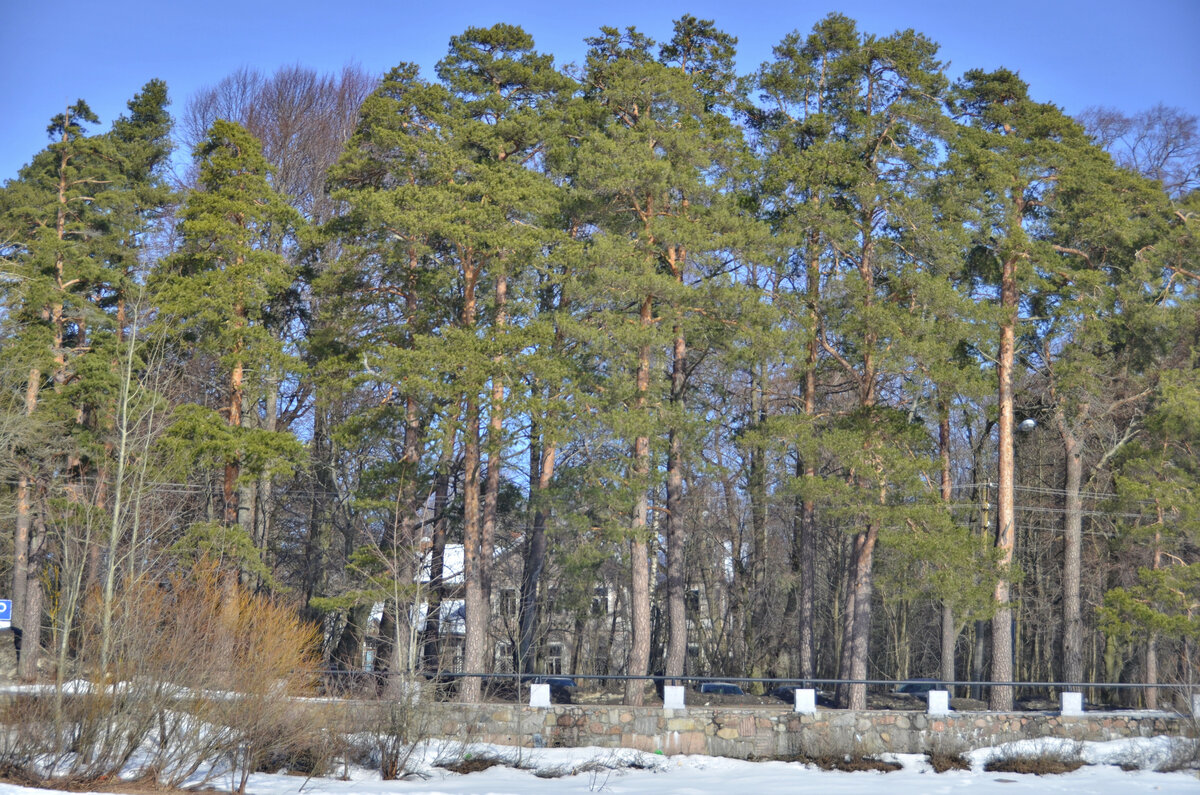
[[504, 657], [554, 659], [507, 604], [600, 601]]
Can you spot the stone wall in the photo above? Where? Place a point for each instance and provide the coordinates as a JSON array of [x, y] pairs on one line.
[[778, 731]]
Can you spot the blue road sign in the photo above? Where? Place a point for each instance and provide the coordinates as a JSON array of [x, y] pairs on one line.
[[5, 609]]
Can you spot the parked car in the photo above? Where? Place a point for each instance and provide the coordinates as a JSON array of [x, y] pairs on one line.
[[721, 688], [919, 687], [787, 694], [560, 686]]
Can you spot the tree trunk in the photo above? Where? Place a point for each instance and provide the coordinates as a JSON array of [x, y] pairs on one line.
[[808, 580], [475, 566], [535, 555], [24, 523], [232, 468], [398, 632], [849, 613], [320, 526], [476, 605], [437, 558], [676, 563], [808, 510], [860, 637], [31, 620], [949, 630], [1152, 671], [247, 493], [347, 654], [1152, 643], [408, 548], [949, 641], [1001, 698], [495, 444], [264, 503], [1072, 541], [639, 646]]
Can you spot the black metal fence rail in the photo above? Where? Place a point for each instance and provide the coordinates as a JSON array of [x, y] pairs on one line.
[[776, 681]]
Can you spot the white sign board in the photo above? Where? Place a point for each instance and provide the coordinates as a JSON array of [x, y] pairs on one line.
[[539, 695], [5, 613]]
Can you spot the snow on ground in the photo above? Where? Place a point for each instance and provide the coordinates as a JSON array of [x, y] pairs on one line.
[[627, 772]]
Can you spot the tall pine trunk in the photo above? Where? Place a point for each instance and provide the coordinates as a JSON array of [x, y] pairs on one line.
[[320, 526], [535, 551], [1072, 542], [676, 563], [808, 510], [475, 565], [230, 490], [23, 531], [495, 443], [1152, 643], [639, 646], [949, 628], [1001, 697]]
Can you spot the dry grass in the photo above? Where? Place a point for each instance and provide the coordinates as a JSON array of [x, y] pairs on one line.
[[472, 764], [1035, 765], [943, 762], [847, 763]]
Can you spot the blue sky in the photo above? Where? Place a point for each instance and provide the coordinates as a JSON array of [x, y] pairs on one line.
[[1130, 55]]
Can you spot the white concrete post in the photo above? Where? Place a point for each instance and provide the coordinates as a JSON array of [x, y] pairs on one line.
[[1070, 704], [539, 695], [939, 702], [673, 697], [806, 700], [1196, 705]]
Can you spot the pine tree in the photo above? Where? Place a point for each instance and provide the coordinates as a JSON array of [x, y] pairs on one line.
[[851, 140], [1022, 159], [216, 293], [655, 155], [76, 219], [443, 179]]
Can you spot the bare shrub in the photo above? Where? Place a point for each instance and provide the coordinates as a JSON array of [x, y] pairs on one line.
[[837, 751], [1045, 759], [1037, 765], [1176, 754], [942, 762], [948, 753], [199, 670], [401, 725], [473, 764], [1184, 755], [849, 763]]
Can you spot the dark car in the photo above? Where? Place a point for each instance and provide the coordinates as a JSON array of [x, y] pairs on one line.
[[560, 692], [721, 688], [787, 694], [919, 687]]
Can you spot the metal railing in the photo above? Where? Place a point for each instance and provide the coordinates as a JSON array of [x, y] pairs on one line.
[[774, 682]]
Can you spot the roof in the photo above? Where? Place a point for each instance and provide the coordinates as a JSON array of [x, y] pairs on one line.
[[453, 564]]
